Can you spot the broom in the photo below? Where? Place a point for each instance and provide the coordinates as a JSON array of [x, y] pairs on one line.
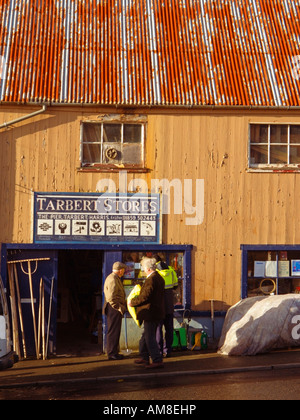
[[127, 351]]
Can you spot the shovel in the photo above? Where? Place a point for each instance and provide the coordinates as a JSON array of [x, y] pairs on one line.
[[127, 351]]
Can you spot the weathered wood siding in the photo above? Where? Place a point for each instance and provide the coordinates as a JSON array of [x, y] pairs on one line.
[[43, 154]]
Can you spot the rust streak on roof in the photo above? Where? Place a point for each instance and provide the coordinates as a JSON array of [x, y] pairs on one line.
[[151, 52]]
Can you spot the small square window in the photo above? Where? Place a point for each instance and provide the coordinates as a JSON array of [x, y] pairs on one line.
[[112, 145], [112, 133], [279, 134], [259, 133], [132, 133], [259, 154], [274, 146], [295, 134]]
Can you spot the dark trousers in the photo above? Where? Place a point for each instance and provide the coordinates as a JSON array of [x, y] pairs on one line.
[[114, 323], [169, 328], [148, 346]]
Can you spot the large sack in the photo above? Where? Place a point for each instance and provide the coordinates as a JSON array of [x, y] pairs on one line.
[[260, 324]]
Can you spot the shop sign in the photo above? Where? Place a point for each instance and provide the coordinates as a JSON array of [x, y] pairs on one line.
[[96, 218]]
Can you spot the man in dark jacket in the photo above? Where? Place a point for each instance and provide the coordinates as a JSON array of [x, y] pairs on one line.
[[150, 310]]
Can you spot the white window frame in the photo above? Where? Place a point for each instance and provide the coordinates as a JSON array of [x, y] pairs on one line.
[[273, 166], [101, 143]]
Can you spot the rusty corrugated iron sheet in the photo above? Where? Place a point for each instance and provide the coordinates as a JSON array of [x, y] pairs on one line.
[[151, 52]]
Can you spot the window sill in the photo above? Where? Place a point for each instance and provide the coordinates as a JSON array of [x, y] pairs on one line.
[[275, 170], [112, 168]]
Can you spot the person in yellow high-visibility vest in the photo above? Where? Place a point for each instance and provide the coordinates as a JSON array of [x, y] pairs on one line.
[[171, 282]]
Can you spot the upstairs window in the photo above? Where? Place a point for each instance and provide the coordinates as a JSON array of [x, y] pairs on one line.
[[112, 145], [274, 146]]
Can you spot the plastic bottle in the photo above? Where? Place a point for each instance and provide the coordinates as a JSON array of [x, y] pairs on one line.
[[204, 340]]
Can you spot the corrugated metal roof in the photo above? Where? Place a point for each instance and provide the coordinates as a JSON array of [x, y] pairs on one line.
[[151, 52]]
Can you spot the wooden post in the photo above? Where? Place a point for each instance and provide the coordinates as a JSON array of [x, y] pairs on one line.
[[20, 310]]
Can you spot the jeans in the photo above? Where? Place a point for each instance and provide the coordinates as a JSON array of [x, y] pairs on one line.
[[168, 323], [148, 346]]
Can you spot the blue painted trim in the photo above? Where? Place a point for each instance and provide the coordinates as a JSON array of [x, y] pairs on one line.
[[270, 247], [244, 275], [187, 275], [3, 264], [102, 247]]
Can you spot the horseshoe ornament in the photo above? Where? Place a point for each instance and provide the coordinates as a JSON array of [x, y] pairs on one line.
[[111, 153]]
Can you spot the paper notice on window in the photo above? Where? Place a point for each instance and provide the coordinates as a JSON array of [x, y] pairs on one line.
[[259, 268], [271, 269], [283, 268]]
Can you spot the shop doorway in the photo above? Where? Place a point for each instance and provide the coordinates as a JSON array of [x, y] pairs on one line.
[[79, 303]]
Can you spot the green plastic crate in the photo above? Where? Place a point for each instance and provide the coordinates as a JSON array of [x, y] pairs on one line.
[[179, 338], [176, 342]]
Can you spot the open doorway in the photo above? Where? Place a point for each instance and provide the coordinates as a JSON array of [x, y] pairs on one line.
[[79, 303]]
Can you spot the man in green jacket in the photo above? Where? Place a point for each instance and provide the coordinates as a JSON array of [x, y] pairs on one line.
[[150, 310], [171, 282]]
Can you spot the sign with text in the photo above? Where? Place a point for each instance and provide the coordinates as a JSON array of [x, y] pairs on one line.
[[96, 218]]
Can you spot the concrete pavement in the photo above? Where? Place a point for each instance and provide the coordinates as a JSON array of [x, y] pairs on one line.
[[97, 368]]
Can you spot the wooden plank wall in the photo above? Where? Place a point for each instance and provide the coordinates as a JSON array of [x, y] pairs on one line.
[[42, 154]]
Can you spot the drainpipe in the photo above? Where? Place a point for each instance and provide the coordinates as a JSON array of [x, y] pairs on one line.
[[25, 117]]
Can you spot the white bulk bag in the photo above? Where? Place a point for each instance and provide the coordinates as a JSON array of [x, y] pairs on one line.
[[260, 324]]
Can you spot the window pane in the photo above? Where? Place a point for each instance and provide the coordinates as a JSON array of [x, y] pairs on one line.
[[259, 133], [176, 261], [132, 133], [295, 154], [112, 133], [259, 154], [132, 154], [91, 132], [91, 153], [279, 133], [295, 134], [278, 154]]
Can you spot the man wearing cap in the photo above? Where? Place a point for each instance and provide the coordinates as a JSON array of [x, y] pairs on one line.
[[114, 309]]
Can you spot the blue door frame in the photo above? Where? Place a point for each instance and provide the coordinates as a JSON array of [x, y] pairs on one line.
[[111, 253]]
